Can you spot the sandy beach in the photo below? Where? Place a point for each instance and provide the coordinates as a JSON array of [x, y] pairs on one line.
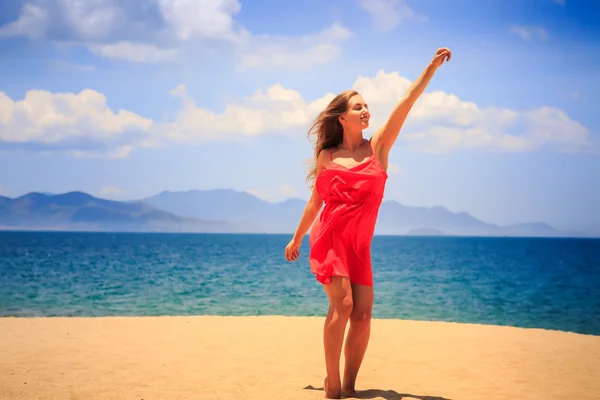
[[281, 358]]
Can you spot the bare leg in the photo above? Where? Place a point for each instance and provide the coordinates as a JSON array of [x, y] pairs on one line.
[[339, 292], [358, 336]]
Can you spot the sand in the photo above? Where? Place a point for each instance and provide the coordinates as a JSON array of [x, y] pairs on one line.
[[281, 358]]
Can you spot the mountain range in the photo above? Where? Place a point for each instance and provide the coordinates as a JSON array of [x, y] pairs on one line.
[[81, 211], [227, 210]]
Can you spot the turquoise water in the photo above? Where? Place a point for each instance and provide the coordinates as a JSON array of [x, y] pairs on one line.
[[544, 283]]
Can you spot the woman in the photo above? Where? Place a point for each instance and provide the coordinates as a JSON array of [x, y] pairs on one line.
[[349, 175]]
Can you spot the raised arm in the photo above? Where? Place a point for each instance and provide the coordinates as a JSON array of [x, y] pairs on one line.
[[386, 136]]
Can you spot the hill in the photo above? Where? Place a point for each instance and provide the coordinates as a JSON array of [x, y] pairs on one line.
[[251, 214], [227, 210], [80, 211]]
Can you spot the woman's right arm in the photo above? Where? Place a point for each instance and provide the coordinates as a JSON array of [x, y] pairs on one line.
[[311, 210], [314, 204]]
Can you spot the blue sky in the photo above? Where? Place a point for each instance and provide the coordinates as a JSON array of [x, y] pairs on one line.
[[124, 99]]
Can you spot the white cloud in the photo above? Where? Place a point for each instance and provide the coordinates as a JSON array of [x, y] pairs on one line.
[[102, 22], [206, 18], [72, 19], [285, 52], [32, 22], [497, 129], [387, 14], [81, 122], [112, 192], [93, 19], [84, 124], [156, 31], [439, 122], [529, 32], [276, 110], [134, 52]]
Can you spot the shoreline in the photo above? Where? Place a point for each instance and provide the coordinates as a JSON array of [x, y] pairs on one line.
[[280, 357], [283, 316]]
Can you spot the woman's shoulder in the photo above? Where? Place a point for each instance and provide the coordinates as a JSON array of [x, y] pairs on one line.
[[323, 158]]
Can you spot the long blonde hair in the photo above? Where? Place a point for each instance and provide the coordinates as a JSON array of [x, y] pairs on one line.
[[327, 131]]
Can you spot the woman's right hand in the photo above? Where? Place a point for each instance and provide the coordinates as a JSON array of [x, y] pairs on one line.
[[292, 250]]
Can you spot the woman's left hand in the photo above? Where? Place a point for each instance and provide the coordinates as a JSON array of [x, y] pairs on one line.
[[441, 55]]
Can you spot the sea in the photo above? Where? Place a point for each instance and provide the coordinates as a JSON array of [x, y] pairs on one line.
[[548, 283]]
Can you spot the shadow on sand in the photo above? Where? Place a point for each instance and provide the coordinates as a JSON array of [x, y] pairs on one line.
[[385, 394]]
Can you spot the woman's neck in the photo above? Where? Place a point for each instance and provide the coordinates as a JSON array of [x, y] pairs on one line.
[[352, 141]]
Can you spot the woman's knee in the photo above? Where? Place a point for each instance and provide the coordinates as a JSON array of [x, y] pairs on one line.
[[341, 301], [361, 315], [344, 305]]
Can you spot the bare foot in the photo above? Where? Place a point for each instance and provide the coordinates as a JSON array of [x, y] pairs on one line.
[[349, 393], [331, 393]]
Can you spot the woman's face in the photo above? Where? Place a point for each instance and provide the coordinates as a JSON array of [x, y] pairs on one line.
[[357, 116]]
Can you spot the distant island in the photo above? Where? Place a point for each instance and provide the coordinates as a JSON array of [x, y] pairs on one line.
[[230, 211]]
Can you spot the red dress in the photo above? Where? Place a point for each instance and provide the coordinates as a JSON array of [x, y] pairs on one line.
[[340, 239]]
